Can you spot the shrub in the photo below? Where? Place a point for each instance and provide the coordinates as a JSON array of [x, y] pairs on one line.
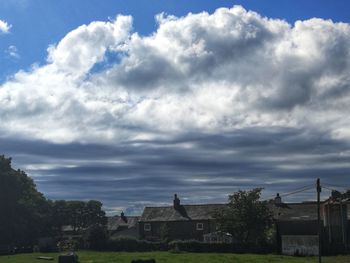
[[97, 238], [197, 246], [133, 245], [67, 245]]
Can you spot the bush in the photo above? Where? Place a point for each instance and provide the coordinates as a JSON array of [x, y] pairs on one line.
[[67, 245], [97, 238], [134, 245], [197, 246]]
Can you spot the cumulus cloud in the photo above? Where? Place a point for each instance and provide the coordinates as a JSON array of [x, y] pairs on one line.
[[212, 74], [4, 27]]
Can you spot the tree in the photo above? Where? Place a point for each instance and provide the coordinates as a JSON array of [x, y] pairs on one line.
[[82, 215], [246, 218], [26, 215], [79, 215], [23, 208]]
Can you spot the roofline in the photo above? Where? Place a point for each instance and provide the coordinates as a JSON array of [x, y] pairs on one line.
[[125, 216], [302, 203], [167, 221], [315, 202], [184, 205]]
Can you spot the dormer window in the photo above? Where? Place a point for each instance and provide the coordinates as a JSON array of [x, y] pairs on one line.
[[147, 227], [199, 226]]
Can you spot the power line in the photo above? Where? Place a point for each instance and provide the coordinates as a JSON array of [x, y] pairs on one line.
[[309, 187], [337, 186], [298, 190], [325, 187]]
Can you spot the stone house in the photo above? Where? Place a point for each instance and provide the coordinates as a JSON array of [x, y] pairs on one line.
[[297, 226], [178, 222], [123, 226]]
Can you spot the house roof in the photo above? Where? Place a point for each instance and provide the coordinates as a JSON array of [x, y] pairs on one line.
[[183, 213], [295, 211], [115, 223], [305, 211]]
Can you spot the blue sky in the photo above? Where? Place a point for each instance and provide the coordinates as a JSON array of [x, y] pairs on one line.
[[131, 109], [37, 24]]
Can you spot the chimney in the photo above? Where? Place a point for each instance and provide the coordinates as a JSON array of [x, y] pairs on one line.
[[123, 217], [335, 195], [176, 202], [278, 199]]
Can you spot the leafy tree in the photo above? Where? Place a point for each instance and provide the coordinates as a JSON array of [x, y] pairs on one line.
[[94, 214], [23, 208], [79, 215], [246, 218], [85, 214]]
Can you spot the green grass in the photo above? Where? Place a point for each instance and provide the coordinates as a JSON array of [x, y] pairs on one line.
[[124, 257]]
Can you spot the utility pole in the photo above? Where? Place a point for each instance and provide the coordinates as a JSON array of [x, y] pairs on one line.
[[318, 187]]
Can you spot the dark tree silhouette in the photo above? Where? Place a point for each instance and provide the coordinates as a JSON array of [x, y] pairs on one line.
[[246, 218], [23, 208], [26, 215]]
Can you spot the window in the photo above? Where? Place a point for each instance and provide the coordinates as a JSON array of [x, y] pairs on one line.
[[147, 227], [199, 226]]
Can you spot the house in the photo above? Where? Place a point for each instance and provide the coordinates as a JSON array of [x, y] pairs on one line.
[[297, 226], [178, 222], [123, 226], [117, 226]]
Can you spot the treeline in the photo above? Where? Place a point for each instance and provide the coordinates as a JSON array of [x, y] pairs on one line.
[[26, 215]]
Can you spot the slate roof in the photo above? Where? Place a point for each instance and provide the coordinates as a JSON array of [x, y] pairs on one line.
[[117, 223], [295, 211], [184, 213], [283, 212]]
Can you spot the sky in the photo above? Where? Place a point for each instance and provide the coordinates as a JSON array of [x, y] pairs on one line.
[[129, 102]]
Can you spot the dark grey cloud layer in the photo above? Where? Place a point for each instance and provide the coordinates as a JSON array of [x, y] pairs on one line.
[[199, 167]]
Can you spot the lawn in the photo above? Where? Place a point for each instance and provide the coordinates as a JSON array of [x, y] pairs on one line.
[[109, 257]]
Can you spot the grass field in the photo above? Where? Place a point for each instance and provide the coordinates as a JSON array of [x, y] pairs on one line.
[[109, 257]]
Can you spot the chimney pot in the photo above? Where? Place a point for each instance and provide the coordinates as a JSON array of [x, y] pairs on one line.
[[176, 202], [278, 199], [123, 217]]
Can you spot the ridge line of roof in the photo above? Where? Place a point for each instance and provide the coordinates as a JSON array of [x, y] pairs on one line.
[[184, 205]]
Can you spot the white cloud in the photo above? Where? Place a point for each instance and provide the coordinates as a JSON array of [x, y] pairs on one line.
[[4, 27], [12, 51], [85, 46], [208, 72]]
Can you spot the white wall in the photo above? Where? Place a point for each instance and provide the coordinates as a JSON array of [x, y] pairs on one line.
[[302, 245]]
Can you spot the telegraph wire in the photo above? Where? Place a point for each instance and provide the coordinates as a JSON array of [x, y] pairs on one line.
[[336, 186], [330, 189], [309, 187], [298, 190]]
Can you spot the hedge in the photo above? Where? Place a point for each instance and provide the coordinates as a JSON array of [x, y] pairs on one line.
[[134, 245], [197, 246]]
